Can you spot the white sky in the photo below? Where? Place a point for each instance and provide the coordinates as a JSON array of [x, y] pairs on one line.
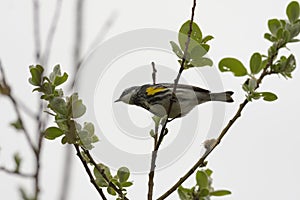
[[256, 160]]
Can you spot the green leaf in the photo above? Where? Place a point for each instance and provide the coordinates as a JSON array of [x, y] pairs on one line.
[[207, 38], [204, 192], [60, 79], [152, 133], [202, 179], [268, 96], [56, 72], [184, 193], [270, 37], [208, 172], [176, 49], [196, 35], [201, 62], [220, 193], [85, 140], [77, 108], [123, 174], [293, 11], [274, 25], [256, 63], [101, 182], [17, 124], [36, 75], [126, 184], [156, 120], [58, 105], [89, 127], [198, 52], [233, 65], [105, 169], [111, 191], [53, 132], [18, 161]]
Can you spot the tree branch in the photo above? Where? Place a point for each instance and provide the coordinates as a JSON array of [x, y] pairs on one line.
[[201, 161], [52, 31], [101, 171], [163, 130], [14, 172], [88, 171], [36, 29], [7, 92]]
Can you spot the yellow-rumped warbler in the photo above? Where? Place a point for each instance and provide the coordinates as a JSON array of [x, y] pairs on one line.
[[156, 98]]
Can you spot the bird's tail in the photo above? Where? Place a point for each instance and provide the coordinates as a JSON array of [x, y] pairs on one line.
[[222, 96]]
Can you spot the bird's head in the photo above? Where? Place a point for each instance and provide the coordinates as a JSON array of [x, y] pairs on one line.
[[127, 94]]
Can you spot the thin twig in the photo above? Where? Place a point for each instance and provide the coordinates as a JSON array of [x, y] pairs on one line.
[[26, 109], [52, 31], [98, 39], [16, 108], [101, 171], [36, 29], [201, 161], [153, 73], [88, 171], [66, 173], [14, 172], [163, 130], [78, 38]]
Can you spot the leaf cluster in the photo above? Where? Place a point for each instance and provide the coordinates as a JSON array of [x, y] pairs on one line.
[[64, 109], [282, 32], [203, 189], [120, 179], [197, 46]]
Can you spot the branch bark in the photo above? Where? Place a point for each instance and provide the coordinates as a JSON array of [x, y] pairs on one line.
[[163, 130]]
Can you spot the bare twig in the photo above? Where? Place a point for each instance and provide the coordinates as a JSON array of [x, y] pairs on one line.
[[153, 73], [16, 108], [26, 109], [14, 172], [101, 171], [36, 29], [78, 37], [201, 161], [66, 173], [52, 31], [88, 171], [163, 130], [103, 30], [100, 36]]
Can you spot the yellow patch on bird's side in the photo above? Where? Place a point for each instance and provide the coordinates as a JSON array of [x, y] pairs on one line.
[[153, 90]]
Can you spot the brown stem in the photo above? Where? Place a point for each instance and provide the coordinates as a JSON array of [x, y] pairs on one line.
[[88, 171], [201, 161], [163, 130], [101, 171], [21, 174]]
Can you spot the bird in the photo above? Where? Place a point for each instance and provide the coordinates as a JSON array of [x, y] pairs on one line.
[[156, 98]]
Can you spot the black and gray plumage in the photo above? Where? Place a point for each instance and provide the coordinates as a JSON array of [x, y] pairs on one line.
[[156, 98]]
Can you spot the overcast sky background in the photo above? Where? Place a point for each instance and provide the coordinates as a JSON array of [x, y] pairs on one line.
[[258, 159]]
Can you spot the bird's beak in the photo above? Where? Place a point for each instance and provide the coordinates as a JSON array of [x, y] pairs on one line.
[[117, 100]]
